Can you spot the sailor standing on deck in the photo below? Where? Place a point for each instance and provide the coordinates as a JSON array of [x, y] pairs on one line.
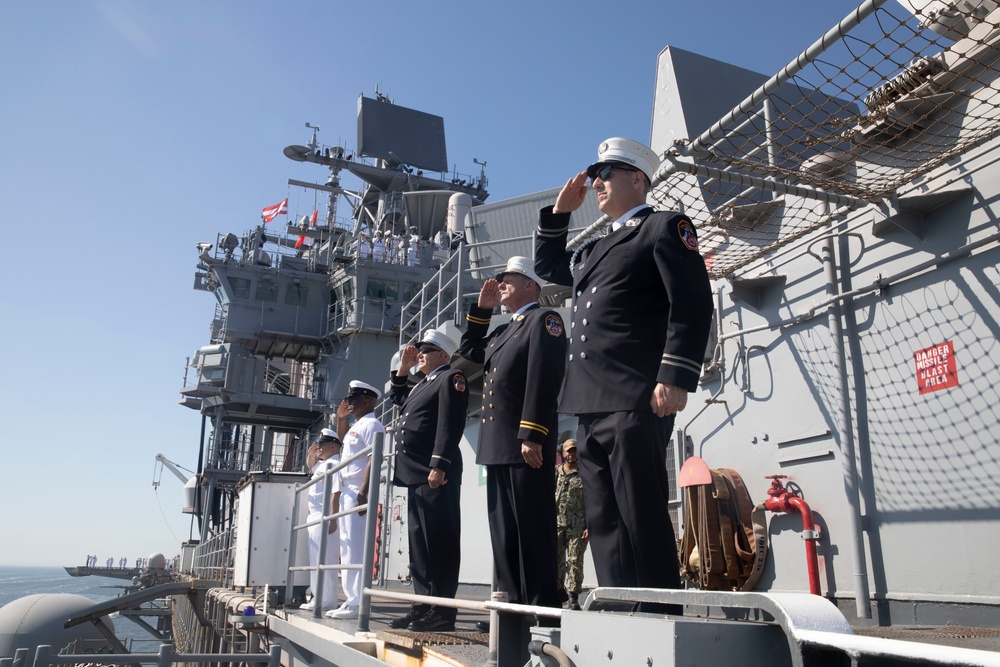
[[412, 252], [360, 403], [525, 360], [322, 456], [429, 465], [642, 309], [378, 247]]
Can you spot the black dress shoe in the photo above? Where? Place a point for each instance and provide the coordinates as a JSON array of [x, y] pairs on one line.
[[432, 622], [404, 621], [483, 626]]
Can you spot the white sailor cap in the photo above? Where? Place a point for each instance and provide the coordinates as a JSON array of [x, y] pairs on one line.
[[378, 232], [328, 435], [440, 339], [359, 388], [619, 150], [521, 266]]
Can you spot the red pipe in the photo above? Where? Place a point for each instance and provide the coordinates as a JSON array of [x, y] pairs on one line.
[[780, 500]]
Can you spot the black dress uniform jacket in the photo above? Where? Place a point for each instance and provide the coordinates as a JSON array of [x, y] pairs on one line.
[[649, 284], [430, 426], [642, 308], [525, 361], [430, 429]]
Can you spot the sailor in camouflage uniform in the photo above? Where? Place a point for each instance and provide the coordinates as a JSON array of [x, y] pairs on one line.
[[642, 311], [429, 465], [571, 524], [525, 359]]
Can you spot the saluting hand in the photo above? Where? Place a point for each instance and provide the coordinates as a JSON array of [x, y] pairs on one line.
[[408, 358], [489, 296], [343, 410], [572, 195], [667, 399], [532, 453]]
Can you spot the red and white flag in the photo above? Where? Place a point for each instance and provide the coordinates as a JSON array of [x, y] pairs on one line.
[[269, 213]]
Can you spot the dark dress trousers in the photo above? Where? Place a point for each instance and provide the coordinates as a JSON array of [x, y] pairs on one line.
[[642, 308], [524, 362], [431, 422]]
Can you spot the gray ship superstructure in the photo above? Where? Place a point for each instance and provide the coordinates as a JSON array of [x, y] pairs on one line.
[[847, 213], [303, 310]]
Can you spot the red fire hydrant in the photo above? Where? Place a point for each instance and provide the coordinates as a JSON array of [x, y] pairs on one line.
[[781, 500]]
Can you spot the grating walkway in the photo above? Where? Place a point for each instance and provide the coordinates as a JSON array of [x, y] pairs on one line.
[[983, 639]]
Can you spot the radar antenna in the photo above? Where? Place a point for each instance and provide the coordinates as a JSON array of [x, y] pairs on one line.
[[312, 142], [483, 181]]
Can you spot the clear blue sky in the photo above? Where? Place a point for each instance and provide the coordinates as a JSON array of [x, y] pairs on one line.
[[129, 131]]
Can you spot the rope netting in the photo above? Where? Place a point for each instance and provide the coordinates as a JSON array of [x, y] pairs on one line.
[[885, 97]]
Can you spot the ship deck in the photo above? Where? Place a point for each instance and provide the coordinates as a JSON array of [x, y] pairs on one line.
[[466, 645]]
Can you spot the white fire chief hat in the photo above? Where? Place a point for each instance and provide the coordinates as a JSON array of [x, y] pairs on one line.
[[619, 150], [521, 266], [440, 339]]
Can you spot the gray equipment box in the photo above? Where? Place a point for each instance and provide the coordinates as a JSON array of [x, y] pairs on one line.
[[264, 532]]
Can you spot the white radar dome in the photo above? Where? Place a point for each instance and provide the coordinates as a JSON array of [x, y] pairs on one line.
[[35, 620], [156, 561]]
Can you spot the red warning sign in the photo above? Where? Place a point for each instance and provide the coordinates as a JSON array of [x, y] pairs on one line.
[[936, 368]]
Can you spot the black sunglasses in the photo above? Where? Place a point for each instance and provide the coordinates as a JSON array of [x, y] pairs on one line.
[[604, 172], [428, 350]]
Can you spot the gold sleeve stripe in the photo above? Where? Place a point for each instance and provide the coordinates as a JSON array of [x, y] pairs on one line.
[[442, 458], [535, 427], [477, 320]]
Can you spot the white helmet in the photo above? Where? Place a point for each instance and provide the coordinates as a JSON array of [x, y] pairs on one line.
[[439, 338], [619, 150], [521, 266]]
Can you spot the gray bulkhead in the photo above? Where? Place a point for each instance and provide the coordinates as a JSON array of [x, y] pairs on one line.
[[926, 459]]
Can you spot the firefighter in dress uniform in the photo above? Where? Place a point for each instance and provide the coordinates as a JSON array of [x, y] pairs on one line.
[[641, 314], [429, 465], [525, 359]]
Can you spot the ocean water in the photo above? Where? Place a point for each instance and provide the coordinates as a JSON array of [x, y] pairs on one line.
[[17, 582]]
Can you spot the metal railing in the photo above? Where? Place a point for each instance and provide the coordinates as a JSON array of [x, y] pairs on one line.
[[213, 559], [45, 656], [441, 298], [444, 298], [367, 564]]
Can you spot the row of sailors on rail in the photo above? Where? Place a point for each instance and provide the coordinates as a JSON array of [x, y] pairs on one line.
[[401, 249]]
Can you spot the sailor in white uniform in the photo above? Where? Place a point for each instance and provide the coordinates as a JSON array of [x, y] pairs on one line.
[[323, 455], [413, 252], [360, 403]]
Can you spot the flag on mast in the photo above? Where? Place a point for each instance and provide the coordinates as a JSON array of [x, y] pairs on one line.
[[269, 213]]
